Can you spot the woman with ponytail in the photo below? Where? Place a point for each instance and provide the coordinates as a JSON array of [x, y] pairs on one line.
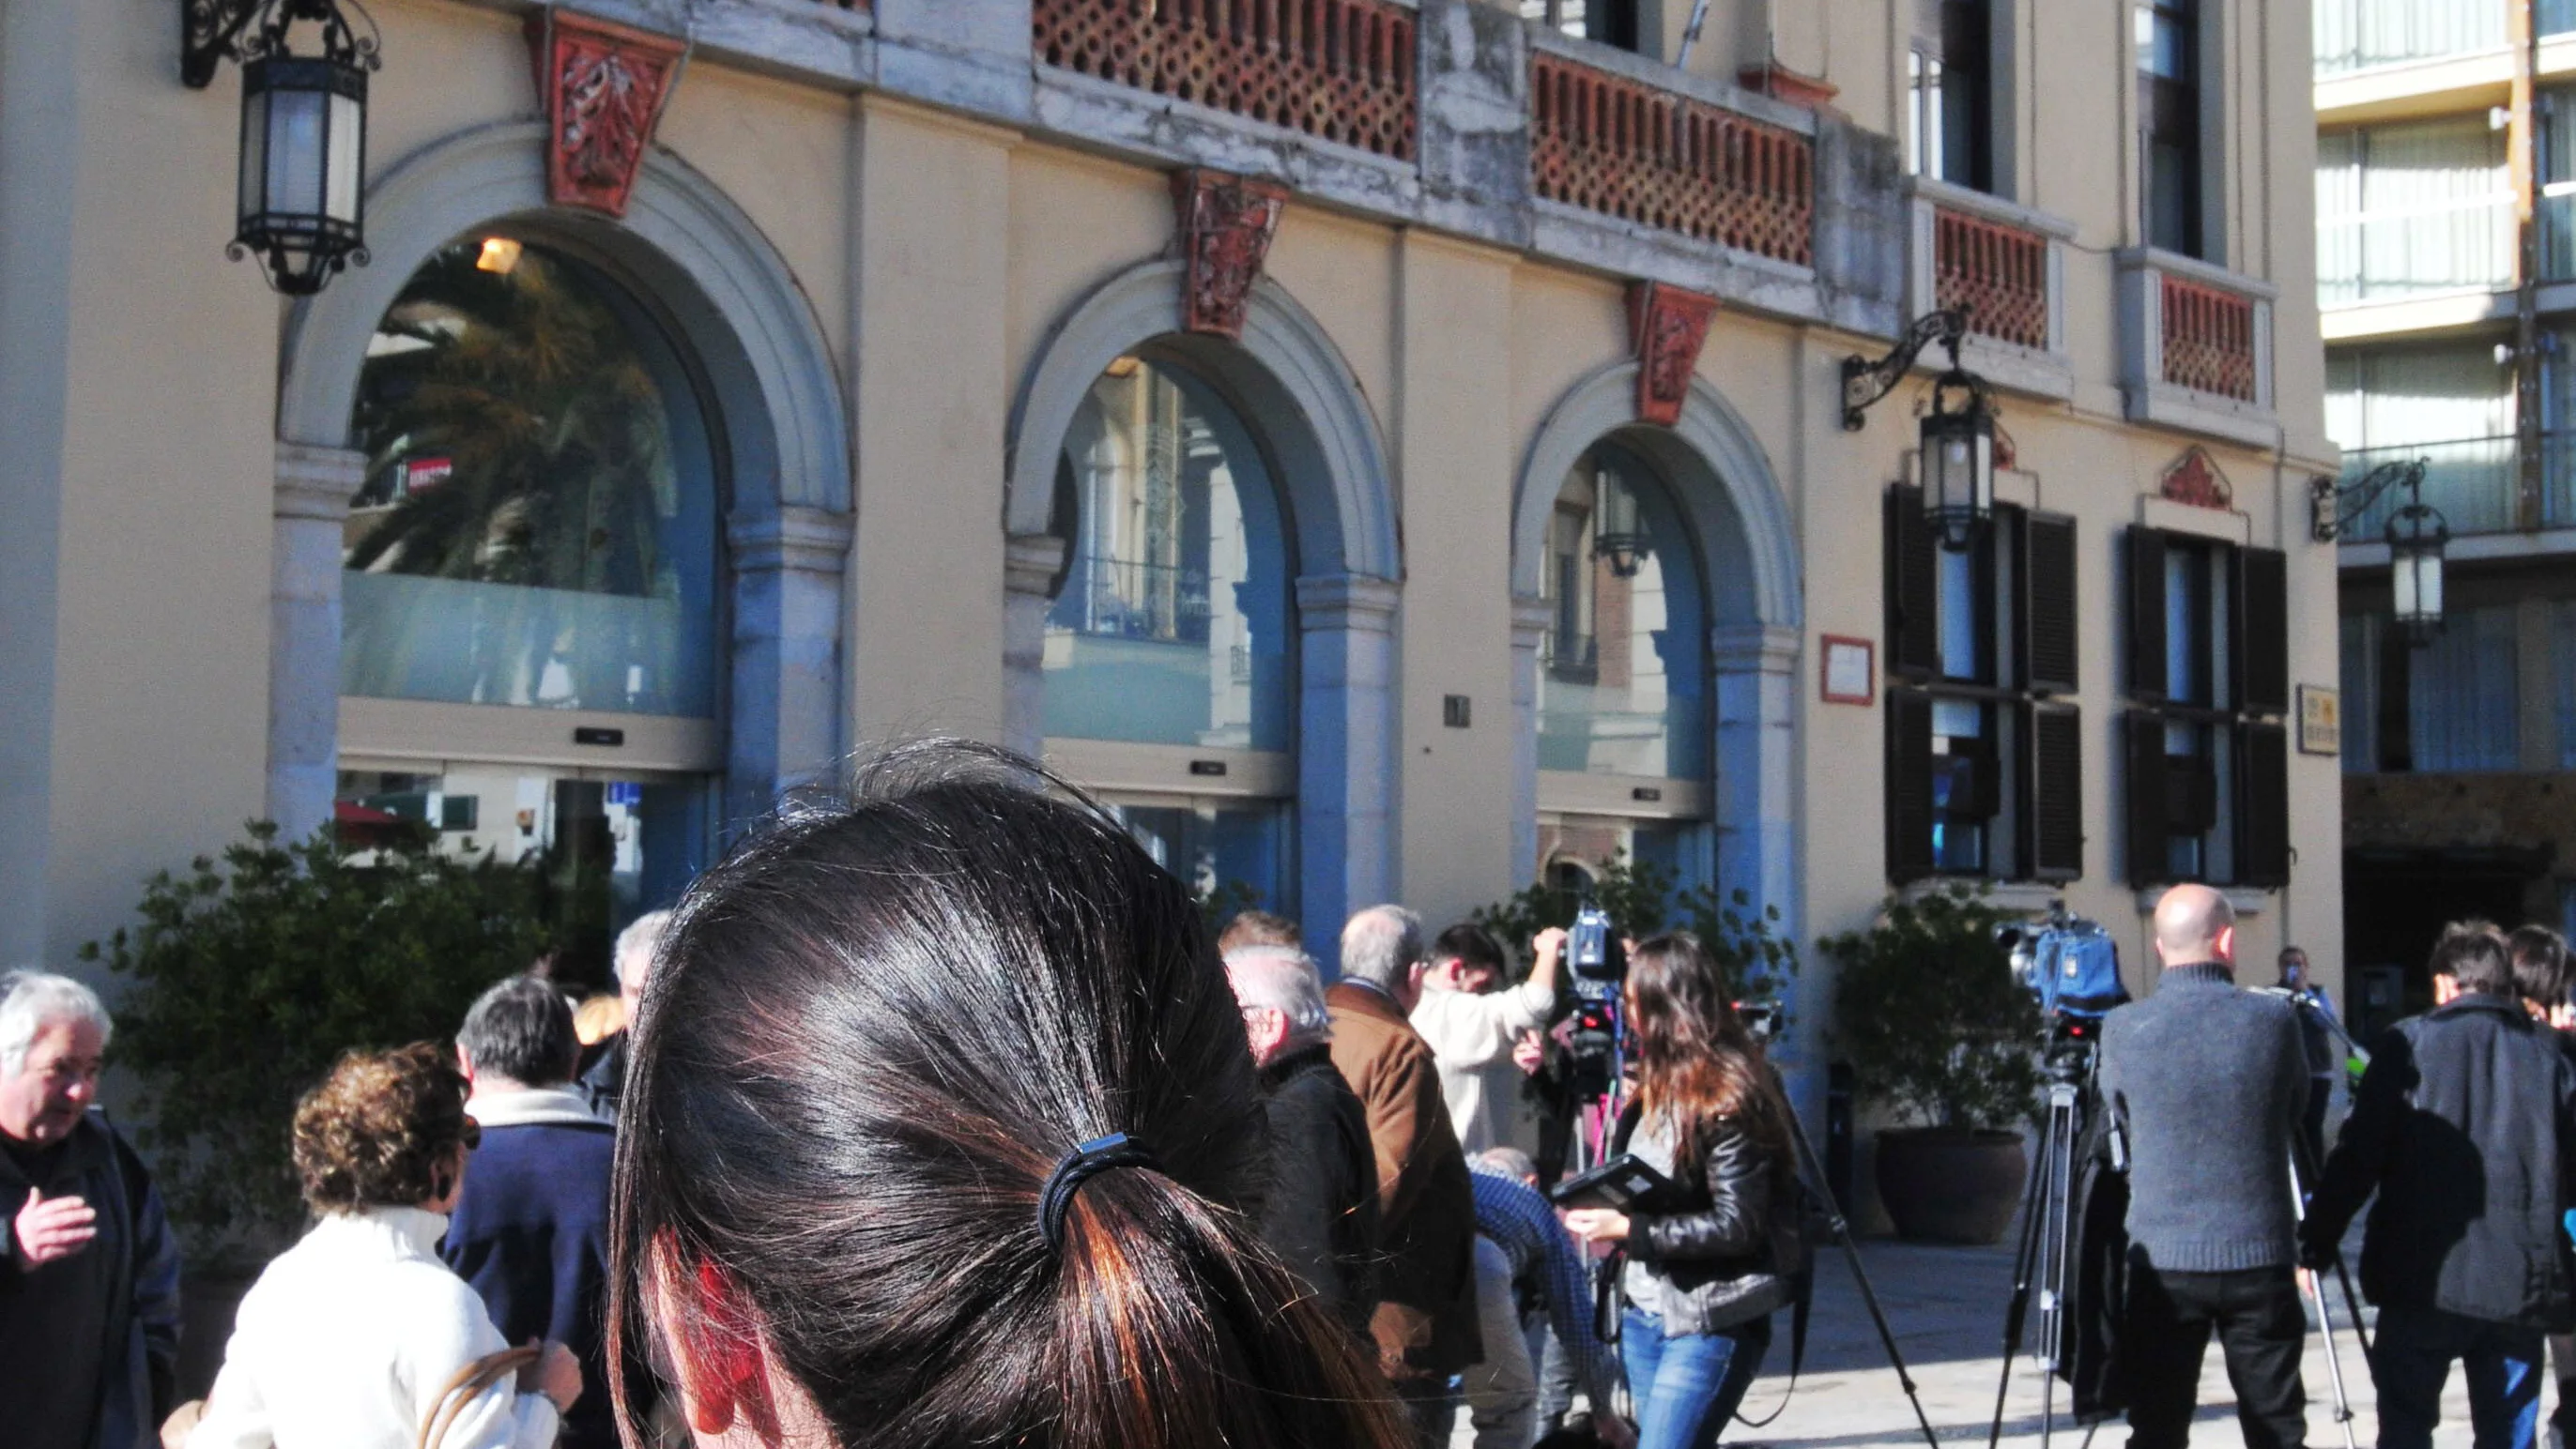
[[940, 1129], [1702, 1273]]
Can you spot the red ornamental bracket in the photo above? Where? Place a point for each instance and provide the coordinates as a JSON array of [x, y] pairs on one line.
[[603, 87], [2195, 480], [1667, 325], [1226, 225]]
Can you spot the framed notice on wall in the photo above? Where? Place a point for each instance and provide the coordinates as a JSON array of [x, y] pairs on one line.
[[2320, 720], [1851, 670]]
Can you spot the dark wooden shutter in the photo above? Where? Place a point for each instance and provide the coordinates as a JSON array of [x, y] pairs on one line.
[[2146, 550], [2263, 830], [1913, 588], [2149, 850], [2047, 576], [2052, 792], [1909, 785], [2262, 627]]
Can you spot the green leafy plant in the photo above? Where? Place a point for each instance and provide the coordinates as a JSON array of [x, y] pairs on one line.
[[1928, 1012], [1641, 900], [248, 976]]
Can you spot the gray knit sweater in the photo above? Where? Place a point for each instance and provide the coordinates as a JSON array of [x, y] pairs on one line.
[[2209, 1082]]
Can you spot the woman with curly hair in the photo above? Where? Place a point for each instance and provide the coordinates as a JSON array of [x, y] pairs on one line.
[[1702, 1273], [349, 1337]]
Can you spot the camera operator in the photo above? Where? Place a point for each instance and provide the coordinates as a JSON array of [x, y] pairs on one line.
[[2461, 1126], [2316, 1009], [1473, 1022], [2208, 1082]]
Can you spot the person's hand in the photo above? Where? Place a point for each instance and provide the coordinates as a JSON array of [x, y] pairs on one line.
[[1530, 1053], [2315, 1254], [1601, 1229], [556, 1374], [1549, 944], [52, 1229], [1614, 1431]]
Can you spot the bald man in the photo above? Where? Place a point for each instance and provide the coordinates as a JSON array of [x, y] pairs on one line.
[[2209, 1083]]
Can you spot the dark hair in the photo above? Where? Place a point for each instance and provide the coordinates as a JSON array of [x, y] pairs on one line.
[[522, 1029], [2474, 953], [1258, 928], [1472, 944], [870, 1037], [1696, 1064], [379, 1130], [2539, 965]]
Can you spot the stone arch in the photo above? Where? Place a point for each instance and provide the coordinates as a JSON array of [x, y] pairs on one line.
[[1290, 383], [733, 301]]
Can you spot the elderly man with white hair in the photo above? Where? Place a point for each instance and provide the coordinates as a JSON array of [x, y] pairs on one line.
[[1321, 1211], [632, 961], [89, 1289]]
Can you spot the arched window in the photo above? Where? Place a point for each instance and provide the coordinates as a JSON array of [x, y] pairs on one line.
[[532, 601], [1623, 678], [1170, 648]]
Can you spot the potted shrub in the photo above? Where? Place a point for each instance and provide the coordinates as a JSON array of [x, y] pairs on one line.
[[1939, 1032], [1641, 900]]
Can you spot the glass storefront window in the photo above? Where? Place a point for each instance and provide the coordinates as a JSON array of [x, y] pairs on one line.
[[1623, 668], [1173, 623], [538, 526], [1233, 853]]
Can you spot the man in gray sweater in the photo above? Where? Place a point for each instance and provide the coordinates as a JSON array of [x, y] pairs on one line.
[[2208, 1083]]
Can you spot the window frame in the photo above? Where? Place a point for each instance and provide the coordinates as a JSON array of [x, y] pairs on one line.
[[2223, 822]]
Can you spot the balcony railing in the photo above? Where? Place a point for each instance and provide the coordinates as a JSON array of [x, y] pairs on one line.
[[2208, 339], [1338, 70], [1997, 271], [2196, 346], [2473, 482], [2353, 35], [2414, 251], [1122, 598], [1624, 148]]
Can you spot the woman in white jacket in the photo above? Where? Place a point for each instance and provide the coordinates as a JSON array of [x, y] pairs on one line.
[[348, 1338]]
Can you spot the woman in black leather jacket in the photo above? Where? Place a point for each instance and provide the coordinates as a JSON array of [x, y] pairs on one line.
[[1701, 1274]]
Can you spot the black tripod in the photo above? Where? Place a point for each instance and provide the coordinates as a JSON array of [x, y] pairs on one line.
[[2045, 1257]]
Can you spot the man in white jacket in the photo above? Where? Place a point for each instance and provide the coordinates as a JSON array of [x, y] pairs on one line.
[[1472, 1023]]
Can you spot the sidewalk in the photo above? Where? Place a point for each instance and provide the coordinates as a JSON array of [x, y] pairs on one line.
[[1946, 1307]]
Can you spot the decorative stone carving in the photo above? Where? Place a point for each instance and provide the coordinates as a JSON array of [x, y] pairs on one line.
[[603, 87], [1227, 222], [2195, 480], [1667, 325]]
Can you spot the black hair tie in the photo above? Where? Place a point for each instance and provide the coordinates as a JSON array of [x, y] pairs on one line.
[[1087, 1161]]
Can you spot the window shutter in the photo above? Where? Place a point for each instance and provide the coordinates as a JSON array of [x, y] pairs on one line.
[[2146, 550], [1913, 588], [2047, 576], [1909, 785], [2052, 792], [2262, 619], [2263, 830], [2149, 851]]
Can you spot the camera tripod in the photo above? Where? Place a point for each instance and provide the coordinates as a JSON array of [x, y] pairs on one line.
[[2045, 1257]]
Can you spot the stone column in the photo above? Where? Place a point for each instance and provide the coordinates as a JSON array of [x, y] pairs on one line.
[[1030, 565], [1531, 619], [1346, 775], [788, 702], [314, 486], [1757, 809]]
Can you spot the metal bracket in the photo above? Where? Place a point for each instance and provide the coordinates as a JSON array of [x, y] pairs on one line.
[[214, 31], [2333, 506], [1865, 382], [210, 33]]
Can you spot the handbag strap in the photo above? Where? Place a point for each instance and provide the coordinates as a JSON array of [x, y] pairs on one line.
[[464, 1387]]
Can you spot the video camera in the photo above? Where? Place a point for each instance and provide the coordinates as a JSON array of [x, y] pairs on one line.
[[1595, 957], [2073, 966]]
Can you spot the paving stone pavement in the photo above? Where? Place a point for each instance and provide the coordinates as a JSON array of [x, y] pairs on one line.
[[1946, 1307]]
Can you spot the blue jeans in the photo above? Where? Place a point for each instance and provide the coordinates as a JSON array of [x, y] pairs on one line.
[[1688, 1385], [2412, 1357]]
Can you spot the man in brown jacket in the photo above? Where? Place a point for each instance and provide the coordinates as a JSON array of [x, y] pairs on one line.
[[1425, 1324]]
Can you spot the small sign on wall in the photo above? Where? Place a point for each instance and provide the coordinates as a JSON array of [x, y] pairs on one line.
[[1850, 670], [2320, 720]]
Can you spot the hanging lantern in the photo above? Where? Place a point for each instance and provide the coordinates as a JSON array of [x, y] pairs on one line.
[[1618, 539], [2416, 535], [301, 199], [1958, 461]]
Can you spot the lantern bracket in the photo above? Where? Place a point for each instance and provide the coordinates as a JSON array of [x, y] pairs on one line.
[[214, 31], [2335, 506], [1865, 382]]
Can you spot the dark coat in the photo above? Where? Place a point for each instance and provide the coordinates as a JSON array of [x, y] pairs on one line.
[[112, 1390], [530, 1233], [1425, 1323], [1320, 1214], [1727, 1249], [2462, 1125]]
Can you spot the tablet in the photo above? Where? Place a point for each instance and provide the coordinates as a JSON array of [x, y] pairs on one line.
[[1625, 1183]]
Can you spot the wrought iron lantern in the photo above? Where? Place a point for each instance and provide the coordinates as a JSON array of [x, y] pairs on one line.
[[2416, 536], [1958, 473], [1618, 538], [302, 199]]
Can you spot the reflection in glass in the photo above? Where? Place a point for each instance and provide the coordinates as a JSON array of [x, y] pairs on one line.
[[606, 850], [1233, 852], [1623, 668], [1172, 626], [538, 523]]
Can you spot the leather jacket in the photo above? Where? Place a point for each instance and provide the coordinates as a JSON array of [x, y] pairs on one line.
[[1727, 1251]]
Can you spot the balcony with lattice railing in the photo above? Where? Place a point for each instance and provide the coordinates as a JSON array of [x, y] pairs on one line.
[[1624, 147], [1337, 70], [2196, 345]]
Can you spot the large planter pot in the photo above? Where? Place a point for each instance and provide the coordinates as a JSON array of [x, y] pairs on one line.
[[1948, 1185]]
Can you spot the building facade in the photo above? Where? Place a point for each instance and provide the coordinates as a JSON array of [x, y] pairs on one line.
[[1391, 449], [2444, 184]]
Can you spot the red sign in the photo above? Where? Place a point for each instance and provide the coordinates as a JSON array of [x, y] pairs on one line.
[[420, 475]]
